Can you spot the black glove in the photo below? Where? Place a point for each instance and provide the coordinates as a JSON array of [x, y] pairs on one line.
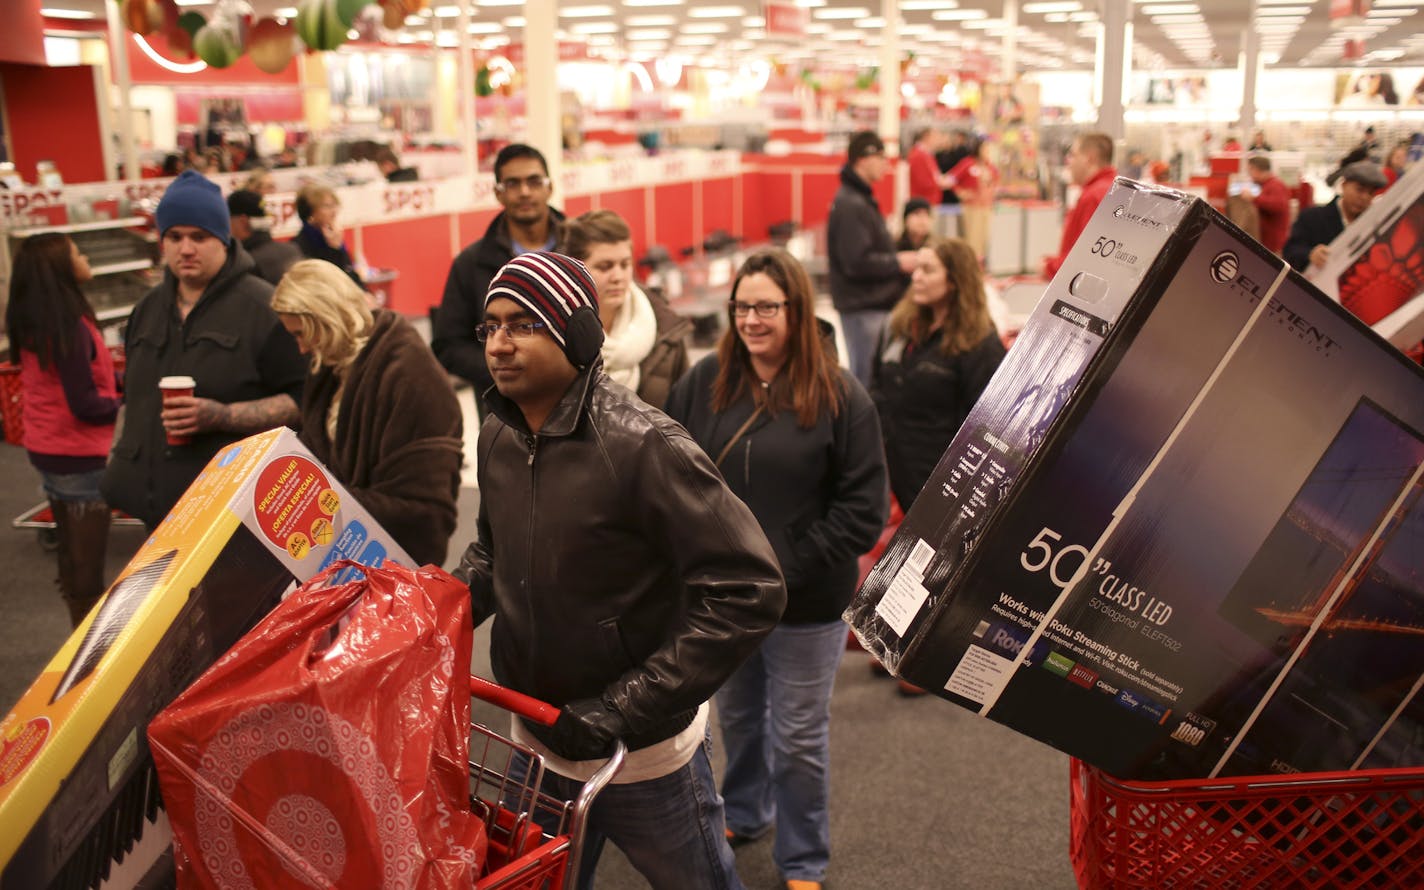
[[586, 729]]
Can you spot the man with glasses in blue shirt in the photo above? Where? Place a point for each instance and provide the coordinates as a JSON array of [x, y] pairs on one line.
[[625, 580], [523, 188]]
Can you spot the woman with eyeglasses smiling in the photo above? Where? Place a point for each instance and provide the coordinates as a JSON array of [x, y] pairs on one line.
[[378, 410], [797, 439]]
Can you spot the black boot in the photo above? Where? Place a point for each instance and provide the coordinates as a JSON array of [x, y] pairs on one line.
[[82, 529]]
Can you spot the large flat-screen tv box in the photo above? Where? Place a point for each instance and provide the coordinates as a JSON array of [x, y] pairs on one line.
[[77, 782], [1181, 534]]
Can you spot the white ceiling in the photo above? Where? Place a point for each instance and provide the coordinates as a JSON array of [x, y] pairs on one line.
[[1170, 34]]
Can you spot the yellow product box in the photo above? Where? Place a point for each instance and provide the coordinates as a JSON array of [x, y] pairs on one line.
[[77, 786]]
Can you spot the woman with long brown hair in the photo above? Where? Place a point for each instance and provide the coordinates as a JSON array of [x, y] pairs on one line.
[[936, 356], [796, 438], [71, 399]]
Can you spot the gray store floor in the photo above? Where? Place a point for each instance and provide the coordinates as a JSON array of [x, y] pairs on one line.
[[924, 794]]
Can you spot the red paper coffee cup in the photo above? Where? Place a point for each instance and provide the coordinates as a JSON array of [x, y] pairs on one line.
[[173, 387]]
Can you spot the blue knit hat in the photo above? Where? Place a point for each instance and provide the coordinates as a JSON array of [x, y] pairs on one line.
[[194, 200], [553, 287]]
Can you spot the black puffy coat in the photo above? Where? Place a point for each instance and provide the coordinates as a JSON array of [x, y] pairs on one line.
[[923, 397]]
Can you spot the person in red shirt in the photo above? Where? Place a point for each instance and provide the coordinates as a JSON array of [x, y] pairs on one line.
[[975, 179], [1090, 167], [925, 179], [1273, 203]]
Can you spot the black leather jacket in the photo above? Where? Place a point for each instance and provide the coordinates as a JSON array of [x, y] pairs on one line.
[[615, 561]]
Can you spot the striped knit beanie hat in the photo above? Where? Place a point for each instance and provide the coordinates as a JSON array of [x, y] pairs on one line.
[[553, 287]]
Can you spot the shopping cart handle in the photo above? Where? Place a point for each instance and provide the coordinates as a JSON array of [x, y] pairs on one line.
[[517, 702]]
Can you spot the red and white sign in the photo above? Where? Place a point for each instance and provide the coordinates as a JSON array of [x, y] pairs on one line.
[[786, 19], [1348, 12]]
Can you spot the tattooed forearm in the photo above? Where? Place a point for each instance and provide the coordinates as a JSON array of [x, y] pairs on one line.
[[260, 414]]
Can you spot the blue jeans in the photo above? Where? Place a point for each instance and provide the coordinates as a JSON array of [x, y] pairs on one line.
[[670, 828], [862, 335], [775, 713], [73, 487]]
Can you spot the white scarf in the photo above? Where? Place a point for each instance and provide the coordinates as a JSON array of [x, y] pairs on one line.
[[635, 330]]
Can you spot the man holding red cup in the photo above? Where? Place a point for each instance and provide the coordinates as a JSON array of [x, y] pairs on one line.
[[210, 321]]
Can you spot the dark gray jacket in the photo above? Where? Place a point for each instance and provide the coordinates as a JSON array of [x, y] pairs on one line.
[[865, 273], [273, 258], [616, 563], [231, 343]]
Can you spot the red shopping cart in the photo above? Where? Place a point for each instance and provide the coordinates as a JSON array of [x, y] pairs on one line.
[[1305, 831], [504, 790]]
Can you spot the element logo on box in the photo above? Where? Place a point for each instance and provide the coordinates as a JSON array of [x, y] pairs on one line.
[[1225, 266], [1121, 212]]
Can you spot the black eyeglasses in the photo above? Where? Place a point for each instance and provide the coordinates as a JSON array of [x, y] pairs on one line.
[[766, 309], [514, 183], [515, 330]]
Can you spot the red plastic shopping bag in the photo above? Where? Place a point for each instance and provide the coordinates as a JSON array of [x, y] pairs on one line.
[[329, 747]]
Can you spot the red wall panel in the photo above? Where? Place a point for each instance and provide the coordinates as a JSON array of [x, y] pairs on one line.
[[818, 190], [573, 207], [22, 37], [675, 226], [42, 129], [420, 250], [631, 205], [472, 226], [718, 207]]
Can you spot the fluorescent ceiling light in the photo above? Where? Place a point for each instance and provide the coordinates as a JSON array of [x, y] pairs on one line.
[[513, 21], [594, 28], [958, 15], [920, 5], [631, 2], [1389, 11], [716, 12], [1284, 10], [1170, 9], [650, 21], [285, 12], [73, 14], [484, 28], [1383, 21], [846, 12], [414, 21], [1175, 19], [1056, 18], [810, 4], [753, 21], [1085, 16], [585, 12], [874, 22], [1051, 6], [648, 34], [500, 2], [705, 28], [983, 24], [446, 12], [695, 40]]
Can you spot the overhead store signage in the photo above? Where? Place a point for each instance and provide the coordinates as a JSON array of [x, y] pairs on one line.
[[1348, 12], [786, 19]]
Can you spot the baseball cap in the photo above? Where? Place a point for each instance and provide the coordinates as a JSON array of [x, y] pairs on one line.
[[245, 203]]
